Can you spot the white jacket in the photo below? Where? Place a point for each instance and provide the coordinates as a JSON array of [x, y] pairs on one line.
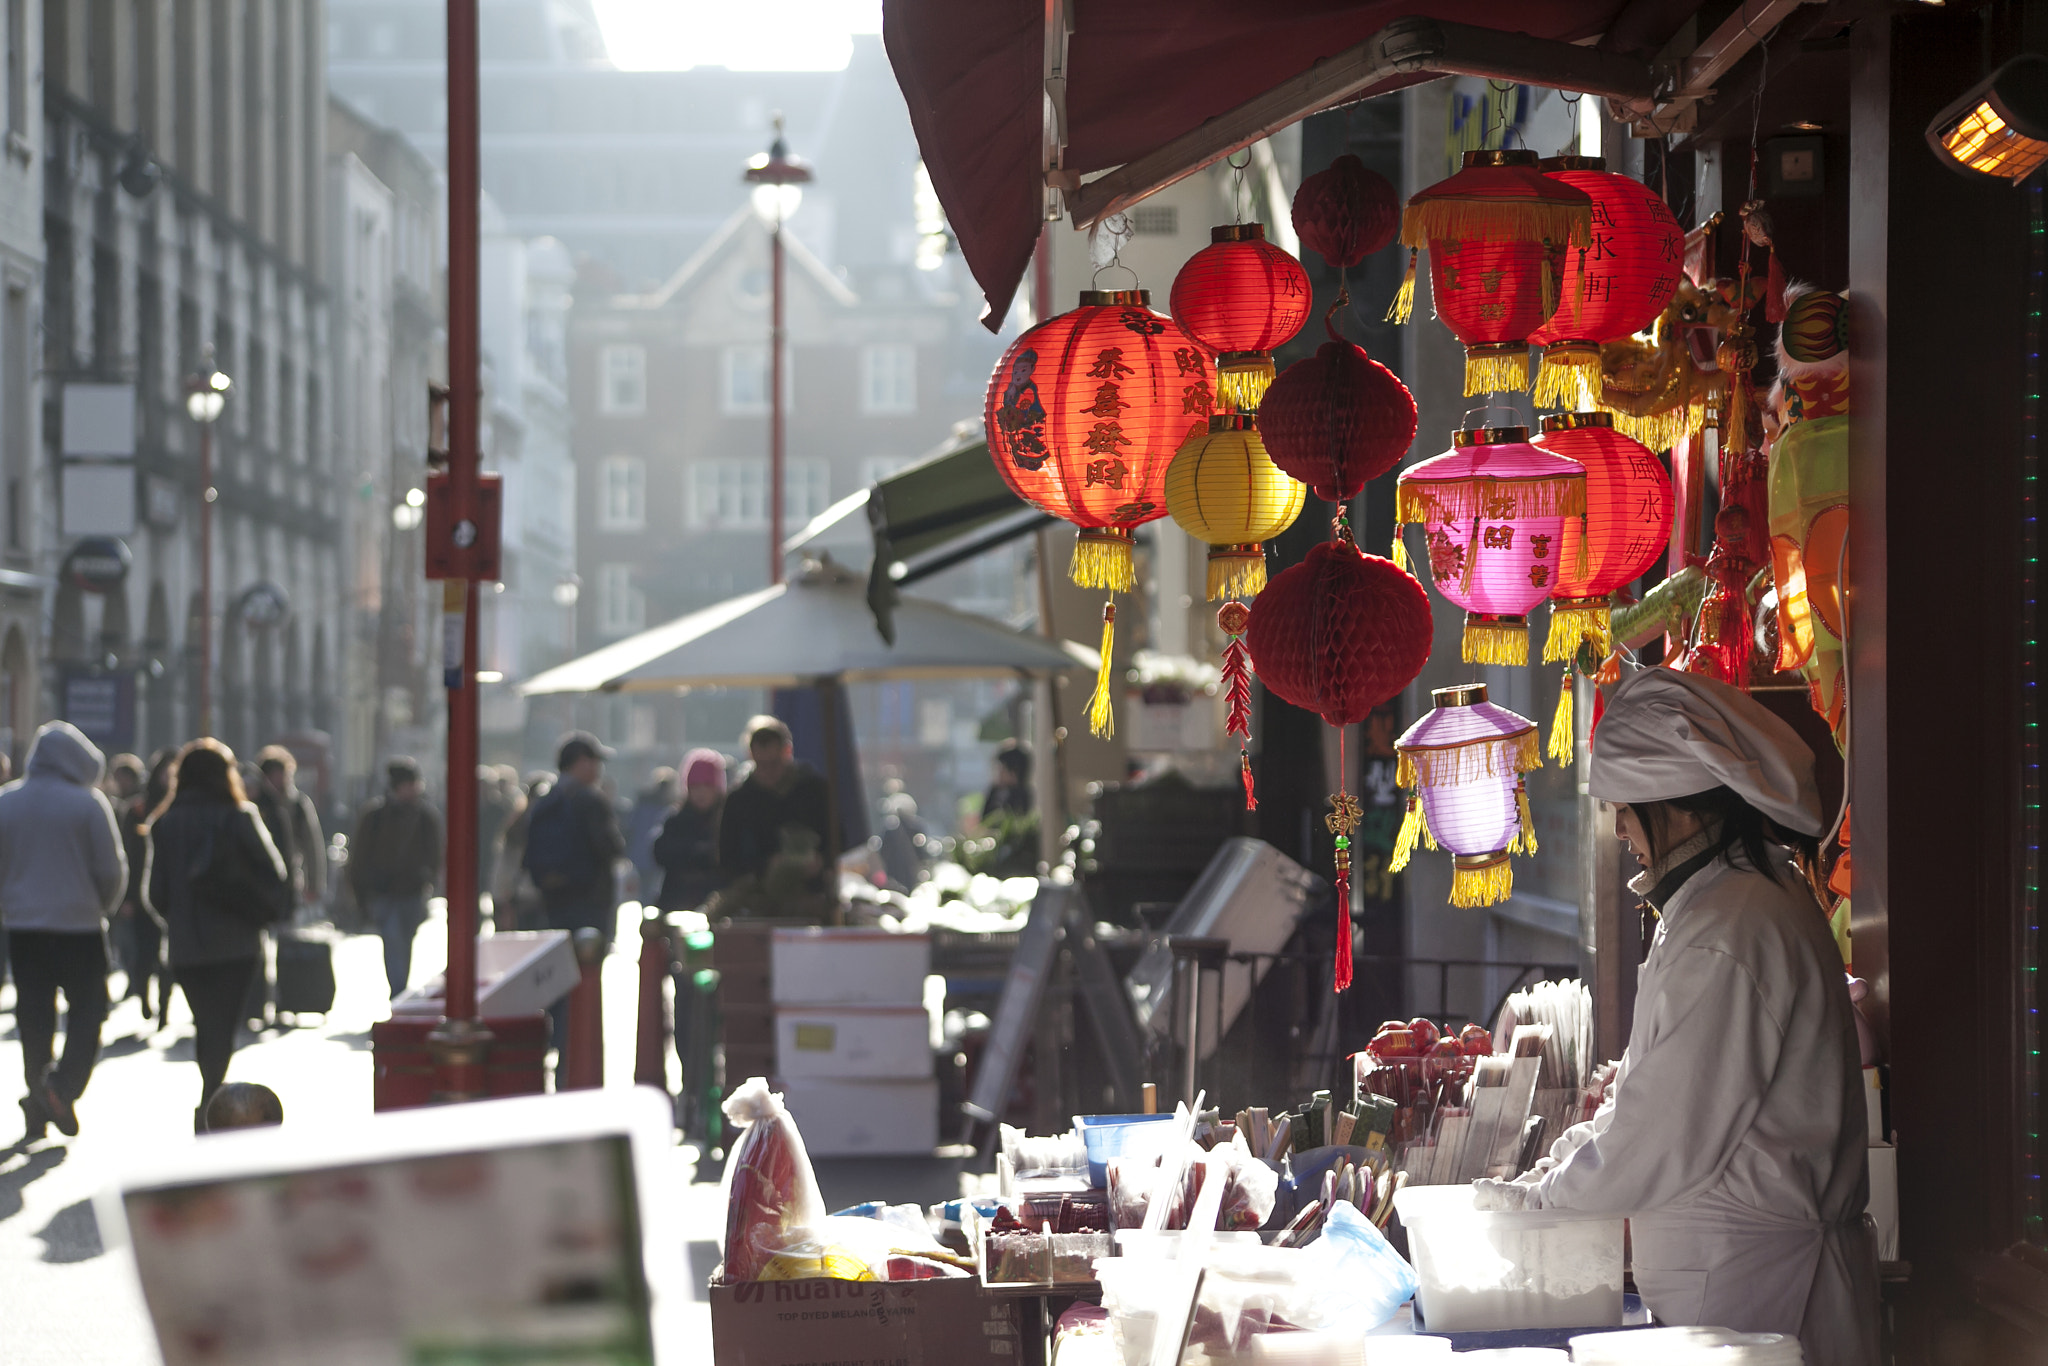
[[1735, 1135]]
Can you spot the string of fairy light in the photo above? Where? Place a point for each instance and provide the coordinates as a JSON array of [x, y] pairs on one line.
[[2032, 942]]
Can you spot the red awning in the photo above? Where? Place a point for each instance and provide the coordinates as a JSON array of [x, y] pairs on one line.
[[1139, 73]]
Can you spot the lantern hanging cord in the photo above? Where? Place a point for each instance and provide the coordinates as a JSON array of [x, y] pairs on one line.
[[1237, 194], [1571, 102], [1117, 227], [1502, 88], [1756, 111]]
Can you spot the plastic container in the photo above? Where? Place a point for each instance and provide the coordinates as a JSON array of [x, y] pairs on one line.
[[1138, 1242], [1107, 1136], [1488, 1270], [1687, 1347]]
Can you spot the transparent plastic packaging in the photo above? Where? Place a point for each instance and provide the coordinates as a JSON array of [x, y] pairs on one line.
[[1490, 1270]]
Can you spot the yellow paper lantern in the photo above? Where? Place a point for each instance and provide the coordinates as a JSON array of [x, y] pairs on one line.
[[1224, 489]]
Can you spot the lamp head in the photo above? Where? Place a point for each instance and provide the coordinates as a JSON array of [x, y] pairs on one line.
[[778, 178], [1999, 128]]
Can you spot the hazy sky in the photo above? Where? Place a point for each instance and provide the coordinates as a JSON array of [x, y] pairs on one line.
[[757, 35]]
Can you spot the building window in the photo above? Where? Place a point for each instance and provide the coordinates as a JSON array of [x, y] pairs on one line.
[[622, 383], [621, 606], [622, 493], [1156, 220], [888, 379], [732, 495], [743, 380]]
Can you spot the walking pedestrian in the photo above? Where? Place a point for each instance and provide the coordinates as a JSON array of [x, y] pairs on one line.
[[215, 879], [497, 802], [573, 845], [515, 901], [651, 808], [297, 814], [395, 863], [143, 936], [771, 839], [61, 873], [687, 848]]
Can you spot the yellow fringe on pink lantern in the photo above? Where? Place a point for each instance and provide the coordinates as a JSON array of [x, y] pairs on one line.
[[1495, 640], [1455, 500]]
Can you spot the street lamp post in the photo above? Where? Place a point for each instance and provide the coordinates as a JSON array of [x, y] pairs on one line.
[[206, 395], [778, 179]]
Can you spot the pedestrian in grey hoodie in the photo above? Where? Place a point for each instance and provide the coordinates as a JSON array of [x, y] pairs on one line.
[[62, 873]]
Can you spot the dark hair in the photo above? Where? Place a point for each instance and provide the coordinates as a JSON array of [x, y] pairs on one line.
[[243, 1105], [1016, 759], [277, 757], [399, 772], [162, 765], [762, 727], [205, 771], [1742, 827]]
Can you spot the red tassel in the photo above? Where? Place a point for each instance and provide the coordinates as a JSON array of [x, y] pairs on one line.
[[1774, 291], [1244, 769], [1343, 974]]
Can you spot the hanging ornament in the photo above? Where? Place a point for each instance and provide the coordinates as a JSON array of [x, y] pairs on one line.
[[1084, 413], [1346, 213], [1612, 287], [1463, 765], [1241, 296], [1337, 419], [1627, 529], [1338, 634], [1494, 508], [1497, 234], [1231, 619], [1222, 488]]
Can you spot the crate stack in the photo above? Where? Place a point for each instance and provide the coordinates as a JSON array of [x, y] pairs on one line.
[[852, 1040]]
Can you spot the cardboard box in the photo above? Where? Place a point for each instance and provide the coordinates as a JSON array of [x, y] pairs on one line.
[[865, 1042], [864, 1323], [517, 972], [850, 967], [865, 1118]]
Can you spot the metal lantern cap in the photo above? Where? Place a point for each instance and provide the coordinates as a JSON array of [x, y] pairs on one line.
[[1238, 232], [1116, 298], [1488, 436], [1501, 156], [1571, 163], [1459, 695], [1572, 422]]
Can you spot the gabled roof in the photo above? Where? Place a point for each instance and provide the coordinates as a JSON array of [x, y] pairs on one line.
[[700, 262]]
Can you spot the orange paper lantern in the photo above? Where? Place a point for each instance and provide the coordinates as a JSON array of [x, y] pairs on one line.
[[1627, 526], [1241, 296]]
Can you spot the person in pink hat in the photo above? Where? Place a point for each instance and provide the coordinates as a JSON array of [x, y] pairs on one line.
[[687, 848]]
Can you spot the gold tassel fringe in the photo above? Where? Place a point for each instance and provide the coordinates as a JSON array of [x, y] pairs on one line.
[[1456, 500], [1400, 555], [1500, 372], [1403, 306], [1412, 826], [1102, 559], [1101, 717], [1574, 621], [1662, 430], [1563, 746], [1242, 380], [1527, 837], [1495, 642], [1567, 377], [1456, 765], [1236, 571], [1487, 886], [1450, 219], [1546, 287]]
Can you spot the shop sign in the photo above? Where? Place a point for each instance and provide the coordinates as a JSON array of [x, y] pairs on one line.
[[98, 564]]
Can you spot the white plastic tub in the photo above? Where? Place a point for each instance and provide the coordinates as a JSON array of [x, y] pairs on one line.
[[1485, 1270]]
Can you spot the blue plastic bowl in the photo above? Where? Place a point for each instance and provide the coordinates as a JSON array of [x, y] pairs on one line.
[[1104, 1137]]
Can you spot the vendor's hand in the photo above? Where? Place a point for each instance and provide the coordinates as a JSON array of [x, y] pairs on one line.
[[1488, 1194]]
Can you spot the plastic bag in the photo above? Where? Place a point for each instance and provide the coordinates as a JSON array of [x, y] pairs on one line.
[[770, 1189], [1350, 1278], [1247, 1198]]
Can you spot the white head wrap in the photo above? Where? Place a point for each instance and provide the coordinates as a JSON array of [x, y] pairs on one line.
[[1669, 734]]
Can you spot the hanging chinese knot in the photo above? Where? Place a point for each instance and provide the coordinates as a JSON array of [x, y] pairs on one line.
[[1241, 297], [1497, 234], [1627, 529], [1463, 765], [1084, 414], [1494, 509], [1613, 286]]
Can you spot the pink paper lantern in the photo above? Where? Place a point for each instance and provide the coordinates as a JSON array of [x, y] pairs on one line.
[[1463, 765], [1493, 509]]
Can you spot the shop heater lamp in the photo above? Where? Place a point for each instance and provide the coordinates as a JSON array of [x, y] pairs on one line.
[[2000, 128]]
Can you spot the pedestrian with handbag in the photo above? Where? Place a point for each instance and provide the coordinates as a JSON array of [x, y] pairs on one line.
[[394, 864], [216, 880]]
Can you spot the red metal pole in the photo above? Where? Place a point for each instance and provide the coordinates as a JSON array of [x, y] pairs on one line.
[[206, 577], [582, 1069], [775, 461], [650, 1041], [460, 1040]]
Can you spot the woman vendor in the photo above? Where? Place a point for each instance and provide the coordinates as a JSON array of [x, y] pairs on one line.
[[1734, 1136]]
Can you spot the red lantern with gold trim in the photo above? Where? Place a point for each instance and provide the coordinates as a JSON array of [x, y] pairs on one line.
[[1613, 286], [1241, 296], [1497, 234], [1084, 414]]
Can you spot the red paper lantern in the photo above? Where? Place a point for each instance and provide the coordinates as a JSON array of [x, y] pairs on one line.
[[1346, 213], [1084, 414], [1627, 526], [1337, 419], [1241, 296], [1340, 633], [1615, 285], [1496, 233]]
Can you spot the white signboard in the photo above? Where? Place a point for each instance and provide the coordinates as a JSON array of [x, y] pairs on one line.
[[99, 420], [99, 500]]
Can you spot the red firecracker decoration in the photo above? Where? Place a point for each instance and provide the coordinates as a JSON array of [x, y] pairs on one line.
[[1613, 286], [1241, 296], [1497, 234], [1346, 213], [1337, 419], [1338, 634], [1084, 414], [1231, 619]]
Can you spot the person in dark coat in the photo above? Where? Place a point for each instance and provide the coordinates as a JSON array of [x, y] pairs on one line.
[[773, 834], [687, 847], [300, 819], [142, 936], [497, 802], [206, 823], [515, 901], [573, 846], [394, 864], [651, 809]]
